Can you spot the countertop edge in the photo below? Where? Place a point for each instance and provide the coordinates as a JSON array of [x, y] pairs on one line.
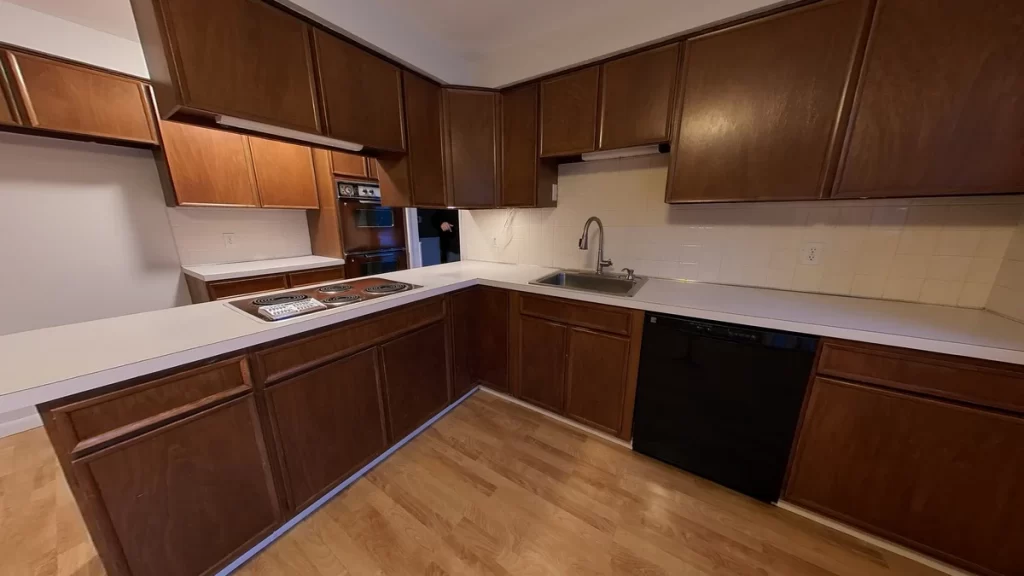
[[259, 271], [94, 380]]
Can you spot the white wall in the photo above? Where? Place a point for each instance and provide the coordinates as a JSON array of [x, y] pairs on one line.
[[256, 234], [940, 251], [38, 31], [83, 234]]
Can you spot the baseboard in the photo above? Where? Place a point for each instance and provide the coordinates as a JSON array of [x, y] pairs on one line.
[[337, 490], [559, 418], [20, 421], [874, 540]]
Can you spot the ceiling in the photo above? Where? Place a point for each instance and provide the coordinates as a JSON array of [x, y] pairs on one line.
[[476, 42]]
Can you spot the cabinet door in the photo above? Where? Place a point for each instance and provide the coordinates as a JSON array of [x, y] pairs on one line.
[[77, 100], [208, 167], [939, 477], [234, 57], [938, 109], [568, 113], [526, 180], [182, 499], [636, 98], [350, 165], [284, 174], [596, 382], [362, 94], [541, 357], [761, 105], [480, 328], [416, 378], [472, 123], [371, 168], [328, 424], [425, 163], [8, 111]]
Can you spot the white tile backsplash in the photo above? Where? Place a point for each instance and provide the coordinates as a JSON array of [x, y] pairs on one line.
[[941, 250], [256, 234]]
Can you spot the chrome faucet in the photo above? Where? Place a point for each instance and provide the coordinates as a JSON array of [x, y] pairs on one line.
[[601, 262]]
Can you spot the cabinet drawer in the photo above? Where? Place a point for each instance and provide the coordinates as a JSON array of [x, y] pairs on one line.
[[229, 288], [973, 381], [119, 414], [595, 316], [307, 277], [283, 361]]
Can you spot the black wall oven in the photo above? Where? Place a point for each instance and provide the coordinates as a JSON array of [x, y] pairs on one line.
[[373, 235]]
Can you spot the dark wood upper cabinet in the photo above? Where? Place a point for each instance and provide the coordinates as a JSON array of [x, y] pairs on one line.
[[185, 498], [362, 94], [637, 97], [8, 111], [418, 177], [541, 355], [350, 165], [936, 476], [416, 378], [240, 58], [284, 174], [762, 105], [471, 123], [526, 179], [203, 166], [61, 97], [568, 113], [938, 109], [328, 424], [596, 378]]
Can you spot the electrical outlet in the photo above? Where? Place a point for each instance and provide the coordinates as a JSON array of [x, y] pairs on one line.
[[811, 253], [229, 239]]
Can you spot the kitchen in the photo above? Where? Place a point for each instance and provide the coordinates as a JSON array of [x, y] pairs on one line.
[[856, 315]]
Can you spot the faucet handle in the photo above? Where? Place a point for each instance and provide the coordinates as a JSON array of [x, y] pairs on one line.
[[629, 273]]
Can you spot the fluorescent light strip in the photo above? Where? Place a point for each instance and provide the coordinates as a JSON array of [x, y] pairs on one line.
[[243, 124], [620, 153]]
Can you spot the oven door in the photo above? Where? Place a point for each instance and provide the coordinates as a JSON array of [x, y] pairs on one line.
[[369, 227], [358, 265]]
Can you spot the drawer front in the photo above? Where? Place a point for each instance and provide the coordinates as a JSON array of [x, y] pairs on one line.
[[976, 382], [120, 414], [283, 361], [229, 288], [307, 277], [594, 316]]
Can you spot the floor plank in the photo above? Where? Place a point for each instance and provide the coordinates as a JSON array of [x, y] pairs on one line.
[[493, 489]]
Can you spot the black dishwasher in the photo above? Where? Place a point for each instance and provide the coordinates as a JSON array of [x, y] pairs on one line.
[[721, 401]]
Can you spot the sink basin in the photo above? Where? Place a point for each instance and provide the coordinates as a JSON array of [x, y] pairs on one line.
[[611, 284]]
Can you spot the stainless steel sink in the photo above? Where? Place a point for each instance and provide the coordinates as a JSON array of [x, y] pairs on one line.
[[611, 284]]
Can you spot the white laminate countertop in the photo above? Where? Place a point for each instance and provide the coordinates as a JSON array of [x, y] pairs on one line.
[[211, 272], [43, 365]]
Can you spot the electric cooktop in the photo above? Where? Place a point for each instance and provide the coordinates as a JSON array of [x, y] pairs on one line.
[[306, 300]]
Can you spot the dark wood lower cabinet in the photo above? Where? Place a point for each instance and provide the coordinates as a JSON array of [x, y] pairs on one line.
[[182, 499], [480, 327], [542, 346], [328, 423], [596, 379], [577, 359], [416, 378], [936, 476]]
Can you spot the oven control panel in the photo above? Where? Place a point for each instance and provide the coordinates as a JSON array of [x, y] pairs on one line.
[[358, 191]]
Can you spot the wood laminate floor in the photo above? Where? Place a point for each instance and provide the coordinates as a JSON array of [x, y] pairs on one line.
[[491, 488]]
